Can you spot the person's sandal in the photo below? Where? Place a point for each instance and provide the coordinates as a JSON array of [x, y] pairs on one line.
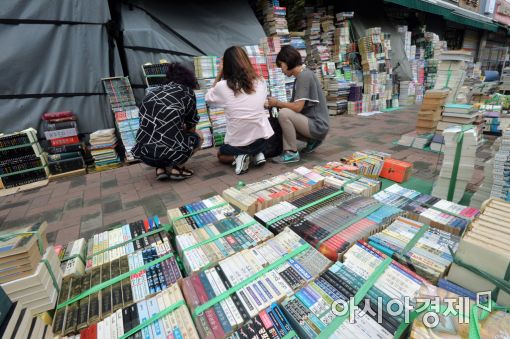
[[162, 175], [180, 173]]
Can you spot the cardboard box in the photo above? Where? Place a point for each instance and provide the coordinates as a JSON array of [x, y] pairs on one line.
[[396, 170]]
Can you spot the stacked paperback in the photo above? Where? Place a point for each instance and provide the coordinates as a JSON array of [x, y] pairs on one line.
[[427, 252], [254, 279], [219, 125], [61, 130], [17, 322], [155, 74], [485, 189], [345, 177], [123, 105], [72, 257], [216, 241], [310, 309], [458, 163], [451, 71], [484, 249], [436, 212], [369, 163], [30, 269], [501, 174], [21, 159], [257, 196], [206, 66], [204, 124], [103, 145], [430, 111]]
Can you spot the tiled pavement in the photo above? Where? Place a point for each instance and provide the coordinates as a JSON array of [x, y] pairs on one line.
[[84, 205]]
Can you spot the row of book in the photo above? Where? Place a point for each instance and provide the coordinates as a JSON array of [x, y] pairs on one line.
[[500, 174], [215, 241], [134, 320], [339, 175], [61, 129], [21, 159], [436, 212], [254, 278]]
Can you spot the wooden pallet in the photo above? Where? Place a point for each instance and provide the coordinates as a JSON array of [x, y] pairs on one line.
[[8, 191], [70, 174]]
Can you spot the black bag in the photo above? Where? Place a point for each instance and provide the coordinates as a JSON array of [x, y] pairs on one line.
[[274, 146]]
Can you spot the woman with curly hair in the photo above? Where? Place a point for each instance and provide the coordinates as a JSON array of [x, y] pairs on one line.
[[242, 94], [167, 137]]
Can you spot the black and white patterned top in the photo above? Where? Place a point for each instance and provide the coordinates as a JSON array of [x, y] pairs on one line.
[[165, 114]]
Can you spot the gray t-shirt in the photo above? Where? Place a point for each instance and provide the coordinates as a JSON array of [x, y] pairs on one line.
[[307, 87]]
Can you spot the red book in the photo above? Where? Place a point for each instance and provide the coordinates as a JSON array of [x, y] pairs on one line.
[[193, 302], [57, 115], [65, 141], [146, 225], [210, 314]]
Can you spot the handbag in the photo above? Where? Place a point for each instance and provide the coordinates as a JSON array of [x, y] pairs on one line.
[[274, 145]]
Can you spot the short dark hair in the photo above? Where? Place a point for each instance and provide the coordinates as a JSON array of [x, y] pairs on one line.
[[182, 75], [290, 56]]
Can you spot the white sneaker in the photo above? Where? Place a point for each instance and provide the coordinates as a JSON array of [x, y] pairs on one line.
[[242, 163], [259, 159]]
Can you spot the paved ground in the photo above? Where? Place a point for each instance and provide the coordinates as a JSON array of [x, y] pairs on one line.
[[84, 205]]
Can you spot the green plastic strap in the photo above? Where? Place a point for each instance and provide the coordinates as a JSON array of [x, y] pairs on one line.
[[10, 236], [198, 212], [456, 161], [224, 234], [362, 292], [17, 146], [448, 76], [290, 335], [220, 297], [53, 278], [351, 222], [415, 239], [113, 281], [164, 227], [153, 319], [22, 171]]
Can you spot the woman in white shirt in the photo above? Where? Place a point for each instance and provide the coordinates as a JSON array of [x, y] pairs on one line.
[[242, 93]]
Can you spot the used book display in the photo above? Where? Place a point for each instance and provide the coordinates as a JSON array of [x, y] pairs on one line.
[[64, 148], [103, 147], [21, 160], [458, 162], [126, 113]]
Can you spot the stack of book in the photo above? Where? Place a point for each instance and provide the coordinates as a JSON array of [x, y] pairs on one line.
[[30, 269], [155, 74], [298, 42], [337, 94], [500, 174], [136, 262], [17, 322], [430, 111], [458, 163], [328, 32], [484, 190], [275, 22], [492, 121], [438, 213], [313, 38], [422, 141], [216, 241], [269, 323], [21, 159], [258, 60], [206, 67], [259, 195], [136, 320], [429, 254], [342, 37], [219, 124], [123, 105], [341, 176], [369, 163], [451, 71], [198, 214], [204, 124], [329, 219], [255, 278], [458, 114], [103, 144], [61, 131], [310, 309], [72, 257], [484, 248]]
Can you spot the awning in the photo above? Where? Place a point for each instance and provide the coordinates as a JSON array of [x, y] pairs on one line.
[[450, 12]]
